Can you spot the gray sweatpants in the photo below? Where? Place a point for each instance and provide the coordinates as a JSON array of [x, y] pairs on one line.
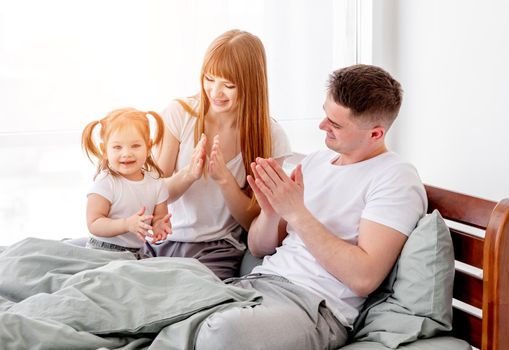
[[219, 256], [289, 317]]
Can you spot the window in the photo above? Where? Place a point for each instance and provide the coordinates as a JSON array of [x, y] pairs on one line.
[[78, 60]]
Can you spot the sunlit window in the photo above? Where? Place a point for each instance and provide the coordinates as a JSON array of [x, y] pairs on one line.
[[66, 63]]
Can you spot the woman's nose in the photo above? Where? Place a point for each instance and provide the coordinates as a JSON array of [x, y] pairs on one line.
[[216, 90]]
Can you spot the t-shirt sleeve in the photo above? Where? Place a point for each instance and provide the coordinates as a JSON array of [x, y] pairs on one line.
[[104, 186], [175, 117], [280, 143], [396, 199], [162, 191]]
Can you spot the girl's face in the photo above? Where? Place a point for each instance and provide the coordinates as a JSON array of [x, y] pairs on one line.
[[222, 94], [127, 152]]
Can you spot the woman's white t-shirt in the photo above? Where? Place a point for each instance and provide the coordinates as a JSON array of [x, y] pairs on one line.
[[201, 214]]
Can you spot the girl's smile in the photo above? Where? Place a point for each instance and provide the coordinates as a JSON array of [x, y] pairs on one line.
[[127, 153]]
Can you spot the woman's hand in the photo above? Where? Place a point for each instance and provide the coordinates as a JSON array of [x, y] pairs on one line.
[[162, 228], [218, 170], [194, 169], [137, 223]]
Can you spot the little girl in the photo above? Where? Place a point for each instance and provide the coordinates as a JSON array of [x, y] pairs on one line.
[[128, 197]]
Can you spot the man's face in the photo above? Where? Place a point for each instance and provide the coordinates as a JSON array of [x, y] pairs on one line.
[[344, 135]]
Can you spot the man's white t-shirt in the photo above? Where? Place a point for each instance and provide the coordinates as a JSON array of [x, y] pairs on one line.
[[201, 214], [383, 189], [127, 198]]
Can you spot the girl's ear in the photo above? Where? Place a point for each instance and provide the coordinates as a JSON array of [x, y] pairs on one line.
[[102, 147], [150, 143]]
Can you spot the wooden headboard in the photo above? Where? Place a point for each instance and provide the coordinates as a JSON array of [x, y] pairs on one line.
[[489, 289]]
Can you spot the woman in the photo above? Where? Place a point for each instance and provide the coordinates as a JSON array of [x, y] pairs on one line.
[[210, 141]]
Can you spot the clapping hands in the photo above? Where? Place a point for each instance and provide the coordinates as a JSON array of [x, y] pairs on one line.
[[276, 192], [138, 223], [217, 166], [162, 228], [194, 169]]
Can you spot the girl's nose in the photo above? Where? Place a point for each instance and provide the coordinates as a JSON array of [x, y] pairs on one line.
[[126, 152]]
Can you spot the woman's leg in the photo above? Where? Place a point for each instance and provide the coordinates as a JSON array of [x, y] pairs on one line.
[[219, 256]]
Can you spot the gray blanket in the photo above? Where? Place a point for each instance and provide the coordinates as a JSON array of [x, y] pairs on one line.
[[57, 296]]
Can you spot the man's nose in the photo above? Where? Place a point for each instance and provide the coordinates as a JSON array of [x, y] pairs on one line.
[[323, 124]]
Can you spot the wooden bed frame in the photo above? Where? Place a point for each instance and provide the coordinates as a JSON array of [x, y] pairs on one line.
[[489, 290]]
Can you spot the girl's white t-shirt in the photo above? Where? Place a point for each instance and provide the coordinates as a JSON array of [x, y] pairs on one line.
[[127, 198], [201, 214], [383, 189]]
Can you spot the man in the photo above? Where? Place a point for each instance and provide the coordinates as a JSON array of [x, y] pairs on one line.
[[332, 231]]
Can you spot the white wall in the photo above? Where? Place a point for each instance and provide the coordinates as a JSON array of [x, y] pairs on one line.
[[452, 58]]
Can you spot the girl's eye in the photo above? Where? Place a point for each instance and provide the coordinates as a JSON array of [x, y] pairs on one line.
[[117, 147], [207, 78], [229, 86], [136, 146]]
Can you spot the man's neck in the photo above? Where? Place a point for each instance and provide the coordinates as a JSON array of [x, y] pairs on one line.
[[345, 159]]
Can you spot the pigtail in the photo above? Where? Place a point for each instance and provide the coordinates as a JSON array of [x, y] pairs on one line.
[[158, 143], [89, 147], [159, 132], [87, 141]]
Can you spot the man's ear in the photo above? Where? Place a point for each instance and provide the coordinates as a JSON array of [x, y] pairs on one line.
[[377, 133]]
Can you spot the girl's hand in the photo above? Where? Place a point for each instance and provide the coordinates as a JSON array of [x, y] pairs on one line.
[[162, 228], [194, 169], [138, 223], [218, 170]]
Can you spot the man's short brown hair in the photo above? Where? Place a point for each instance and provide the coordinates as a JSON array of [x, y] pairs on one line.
[[371, 93]]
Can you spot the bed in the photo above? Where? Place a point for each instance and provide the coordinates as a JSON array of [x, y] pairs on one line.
[[485, 288], [490, 291]]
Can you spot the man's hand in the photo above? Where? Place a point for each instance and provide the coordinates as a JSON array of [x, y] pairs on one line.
[[262, 200], [283, 194]]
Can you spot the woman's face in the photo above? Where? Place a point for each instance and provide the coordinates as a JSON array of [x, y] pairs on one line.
[[222, 94]]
